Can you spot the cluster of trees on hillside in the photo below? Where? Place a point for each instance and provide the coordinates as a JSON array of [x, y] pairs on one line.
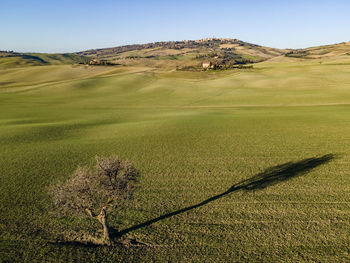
[[100, 62], [297, 54], [9, 54], [227, 59], [136, 57]]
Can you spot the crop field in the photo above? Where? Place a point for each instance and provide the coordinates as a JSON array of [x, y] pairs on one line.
[[244, 165]]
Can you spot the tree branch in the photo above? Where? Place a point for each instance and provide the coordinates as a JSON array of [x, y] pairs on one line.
[[90, 212]]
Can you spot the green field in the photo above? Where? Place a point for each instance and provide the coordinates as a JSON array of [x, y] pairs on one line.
[[194, 136]]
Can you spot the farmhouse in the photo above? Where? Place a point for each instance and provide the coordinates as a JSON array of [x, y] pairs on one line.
[[206, 65]]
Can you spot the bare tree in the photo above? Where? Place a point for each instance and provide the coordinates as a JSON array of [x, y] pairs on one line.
[[94, 191]]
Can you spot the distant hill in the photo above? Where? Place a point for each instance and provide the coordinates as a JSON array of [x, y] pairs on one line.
[[14, 59], [326, 51], [220, 52], [186, 53]]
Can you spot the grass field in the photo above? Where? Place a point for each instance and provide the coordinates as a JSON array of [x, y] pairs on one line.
[[195, 136]]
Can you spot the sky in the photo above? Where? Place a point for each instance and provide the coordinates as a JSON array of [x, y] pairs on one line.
[[75, 25]]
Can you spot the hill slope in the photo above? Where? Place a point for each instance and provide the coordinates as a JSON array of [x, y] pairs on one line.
[[195, 136], [319, 52], [186, 53], [221, 52], [14, 59]]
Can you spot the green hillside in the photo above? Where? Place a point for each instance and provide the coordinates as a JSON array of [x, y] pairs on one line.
[[243, 165], [322, 52], [13, 59], [186, 53]]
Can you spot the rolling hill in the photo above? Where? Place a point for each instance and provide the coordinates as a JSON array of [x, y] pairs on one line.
[[14, 59], [186, 53], [236, 165], [322, 52]]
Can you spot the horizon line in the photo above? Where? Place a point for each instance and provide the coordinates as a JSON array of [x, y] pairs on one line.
[[167, 41]]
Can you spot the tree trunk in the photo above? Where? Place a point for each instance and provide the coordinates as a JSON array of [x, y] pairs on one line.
[[102, 217]]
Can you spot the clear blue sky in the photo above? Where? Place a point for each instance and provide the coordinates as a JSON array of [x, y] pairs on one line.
[[75, 25]]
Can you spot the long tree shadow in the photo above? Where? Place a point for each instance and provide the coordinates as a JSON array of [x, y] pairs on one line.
[[269, 177]]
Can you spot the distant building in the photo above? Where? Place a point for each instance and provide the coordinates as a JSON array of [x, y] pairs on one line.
[[206, 65], [95, 61], [99, 62]]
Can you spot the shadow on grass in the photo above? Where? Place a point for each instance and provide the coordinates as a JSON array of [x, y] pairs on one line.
[[262, 180]]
